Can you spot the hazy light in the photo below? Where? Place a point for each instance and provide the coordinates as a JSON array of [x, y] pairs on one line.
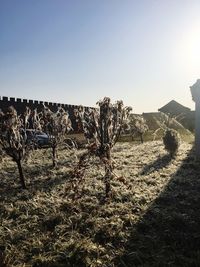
[[189, 47]]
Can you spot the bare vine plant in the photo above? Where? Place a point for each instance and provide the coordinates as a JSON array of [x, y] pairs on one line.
[[56, 125], [13, 140], [171, 137], [102, 128], [137, 126]]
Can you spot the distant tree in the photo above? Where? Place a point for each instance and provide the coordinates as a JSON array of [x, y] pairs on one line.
[[56, 125], [171, 141], [137, 126], [102, 128], [171, 137]]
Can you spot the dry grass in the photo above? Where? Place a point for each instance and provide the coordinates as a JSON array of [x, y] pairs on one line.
[[152, 218]]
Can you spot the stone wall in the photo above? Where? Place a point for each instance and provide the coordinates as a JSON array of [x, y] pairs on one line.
[[20, 105]]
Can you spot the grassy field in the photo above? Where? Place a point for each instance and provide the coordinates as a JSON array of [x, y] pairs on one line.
[[152, 218]]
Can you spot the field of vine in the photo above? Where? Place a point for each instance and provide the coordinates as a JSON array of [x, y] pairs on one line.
[[152, 217]]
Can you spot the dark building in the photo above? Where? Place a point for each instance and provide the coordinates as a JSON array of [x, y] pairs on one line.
[[183, 114], [174, 108]]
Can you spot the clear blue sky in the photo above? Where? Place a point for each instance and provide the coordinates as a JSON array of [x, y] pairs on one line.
[[78, 51]]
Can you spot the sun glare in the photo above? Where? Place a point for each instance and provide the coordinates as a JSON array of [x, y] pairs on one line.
[[190, 44]]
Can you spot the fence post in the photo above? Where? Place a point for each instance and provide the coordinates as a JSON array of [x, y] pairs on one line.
[[195, 91]]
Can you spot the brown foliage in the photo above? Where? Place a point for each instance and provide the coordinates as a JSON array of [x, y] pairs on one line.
[[102, 128], [56, 125], [13, 139]]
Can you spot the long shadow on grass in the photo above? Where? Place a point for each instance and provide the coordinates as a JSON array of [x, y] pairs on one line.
[[169, 232], [37, 179], [159, 163]]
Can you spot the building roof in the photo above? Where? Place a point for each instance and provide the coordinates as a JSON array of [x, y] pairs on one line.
[[174, 108]]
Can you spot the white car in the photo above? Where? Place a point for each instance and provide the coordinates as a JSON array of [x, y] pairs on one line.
[[41, 139]]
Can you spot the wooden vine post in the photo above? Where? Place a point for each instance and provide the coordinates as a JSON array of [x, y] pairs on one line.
[[195, 91]]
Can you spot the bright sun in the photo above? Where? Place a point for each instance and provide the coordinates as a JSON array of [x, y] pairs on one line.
[[190, 47]]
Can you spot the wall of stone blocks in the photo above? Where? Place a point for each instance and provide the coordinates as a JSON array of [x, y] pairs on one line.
[[20, 105]]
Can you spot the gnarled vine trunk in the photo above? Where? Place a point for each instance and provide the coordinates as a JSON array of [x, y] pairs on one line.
[[21, 174]]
